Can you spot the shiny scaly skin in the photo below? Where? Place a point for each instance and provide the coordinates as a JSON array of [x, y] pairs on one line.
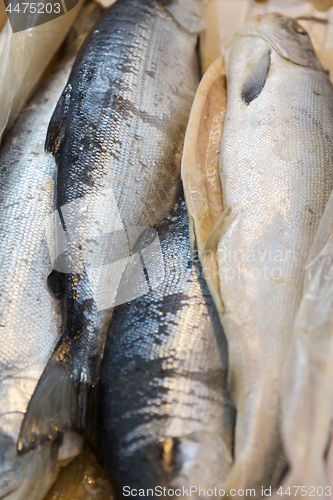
[[29, 315], [120, 125], [30, 320], [277, 174], [163, 402]]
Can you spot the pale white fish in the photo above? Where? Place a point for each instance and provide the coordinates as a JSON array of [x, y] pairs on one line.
[[273, 181], [24, 55], [30, 321]]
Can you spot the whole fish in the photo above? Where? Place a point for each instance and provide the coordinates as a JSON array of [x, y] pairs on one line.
[[166, 418], [30, 321], [117, 136], [255, 203]]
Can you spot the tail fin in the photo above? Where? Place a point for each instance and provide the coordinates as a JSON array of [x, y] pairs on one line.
[[59, 404]]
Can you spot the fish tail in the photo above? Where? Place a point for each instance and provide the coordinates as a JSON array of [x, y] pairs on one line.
[[59, 404]]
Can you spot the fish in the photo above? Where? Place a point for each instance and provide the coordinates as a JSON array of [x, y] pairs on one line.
[[30, 319], [166, 418], [255, 200], [116, 135], [24, 55]]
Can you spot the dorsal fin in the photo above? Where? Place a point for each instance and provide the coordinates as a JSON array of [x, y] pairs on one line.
[[57, 125]]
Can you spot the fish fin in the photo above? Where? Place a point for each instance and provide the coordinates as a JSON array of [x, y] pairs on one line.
[[209, 259], [219, 229], [255, 75], [58, 405], [57, 125]]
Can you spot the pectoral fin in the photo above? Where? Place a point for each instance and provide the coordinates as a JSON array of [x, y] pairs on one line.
[[57, 126], [255, 75], [219, 229]]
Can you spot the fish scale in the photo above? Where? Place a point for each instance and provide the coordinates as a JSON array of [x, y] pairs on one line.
[[116, 134], [166, 417], [277, 191], [276, 175], [29, 315]]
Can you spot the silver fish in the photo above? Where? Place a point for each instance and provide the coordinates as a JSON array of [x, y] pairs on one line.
[[166, 417], [272, 177], [117, 135], [30, 321]]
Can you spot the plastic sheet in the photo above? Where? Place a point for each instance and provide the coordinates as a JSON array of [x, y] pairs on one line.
[[308, 391], [24, 55]]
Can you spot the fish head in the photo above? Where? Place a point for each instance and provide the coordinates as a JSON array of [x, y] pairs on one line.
[[284, 35], [30, 477]]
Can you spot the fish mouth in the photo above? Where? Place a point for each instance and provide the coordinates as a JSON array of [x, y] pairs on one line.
[[205, 460], [31, 476], [198, 462]]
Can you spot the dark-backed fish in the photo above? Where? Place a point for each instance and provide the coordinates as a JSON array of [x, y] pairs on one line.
[[166, 418], [116, 135]]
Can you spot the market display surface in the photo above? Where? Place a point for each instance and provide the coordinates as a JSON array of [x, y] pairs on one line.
[[165, 250]]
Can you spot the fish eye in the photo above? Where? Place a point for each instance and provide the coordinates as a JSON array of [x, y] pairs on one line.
[[298, 28]]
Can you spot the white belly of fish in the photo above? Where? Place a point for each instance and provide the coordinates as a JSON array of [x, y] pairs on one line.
[[276, 171]]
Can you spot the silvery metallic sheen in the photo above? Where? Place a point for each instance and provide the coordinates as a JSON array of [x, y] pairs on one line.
[[118, 126], [166, 417], [276, 175], [30, 320]]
